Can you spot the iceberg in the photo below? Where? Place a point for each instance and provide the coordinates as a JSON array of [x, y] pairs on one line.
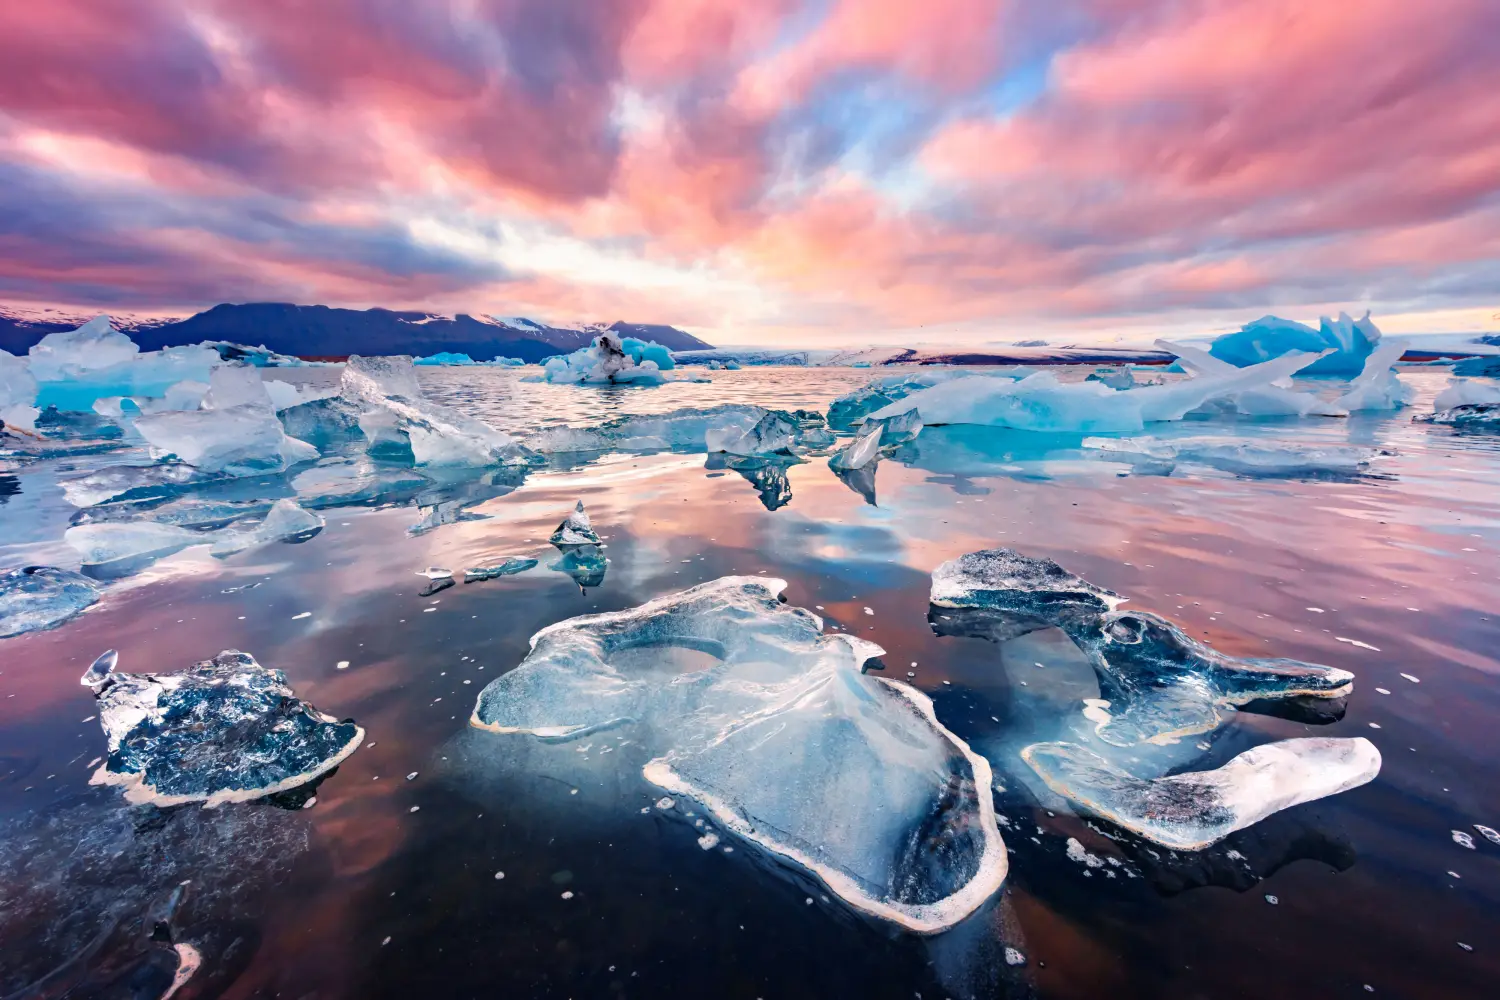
[[260, 356], [609, 360], [773, 728], [224, 730], [846, 412], [35, 598], [18, 389], [1262, 401], [445, 358], [575, 530], [511, 566], [1377, 387], [1042, 402], [1194, 810], [77, 367], [1158, 683], [395, 416], [285, 522], [1237, 455], [236, 432], [1346, 343]]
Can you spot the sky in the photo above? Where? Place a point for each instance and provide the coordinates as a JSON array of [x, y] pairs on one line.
[[809, 172]]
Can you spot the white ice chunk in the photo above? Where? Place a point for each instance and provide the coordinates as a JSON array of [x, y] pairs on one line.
[[772, 434], [1467, 392], [69, 354], [392, 406], [773, 729], [610, 361], [18, 390], [1241, 456], [864, 449], [1191, 811], [1270, 400], [103, 543], [1377, 387]]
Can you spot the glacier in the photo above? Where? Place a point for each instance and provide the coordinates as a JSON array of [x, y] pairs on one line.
[[1344, 342], [224, 730], [1196, 809], [773, 728]]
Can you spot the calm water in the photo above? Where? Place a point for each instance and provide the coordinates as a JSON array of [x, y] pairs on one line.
[[388, 887]]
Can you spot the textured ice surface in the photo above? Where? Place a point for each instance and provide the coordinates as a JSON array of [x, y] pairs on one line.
[[224, 730], [770, 725], [1160, 684], [847, 411], [1261, 401], [1466, 404], [774, 433], [236, 432], [862, 451], [511, 566], [395, 415], [1241, 456], [286, 522], [115, 548], [575, 529], [1042, 402], [1349, 340], [41, 597], [122, 482], [1193, 810], [1377, 387]]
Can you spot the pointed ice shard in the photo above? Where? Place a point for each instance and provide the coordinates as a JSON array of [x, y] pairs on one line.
[[34, 598], [225, 730], [100, 670], [774, 433], [862, 451], [1160, 683], [1271, 400], [771, 727], [236, 432], [575, 530], [1191, 811], [1377, 387]]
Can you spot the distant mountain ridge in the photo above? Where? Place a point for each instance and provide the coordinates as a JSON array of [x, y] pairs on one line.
[[331, 332]]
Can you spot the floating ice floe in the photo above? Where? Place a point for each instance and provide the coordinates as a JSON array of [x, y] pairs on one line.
[[1272, 400], [1345, 342], [774, 433], [34, 598], [1466, 404], [509, 567], [679, 430], [111, 549], [236, 431], [1238, 455], [77, 367], [847, 411], [876, 435], [610, 360], [285, 522], [1042, 402], [773, 729], [1191, 811], [1160, 684], [224, 730]]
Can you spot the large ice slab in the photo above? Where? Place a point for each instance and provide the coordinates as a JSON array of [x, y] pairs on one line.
[[772, 727], [285, 522], [1349, 342], [1043, 402], [1194, 810], [224, 730], [1260, 401], [1239, 455], [235, 432], [34, 598], [1156, 683], [849, 410], [75, 368], [117, 548]]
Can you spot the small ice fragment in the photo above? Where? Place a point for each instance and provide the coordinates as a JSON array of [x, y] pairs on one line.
[[576, 529], [342, 665], [99, 671], [1414, 680], [568, 894], [499, 875], [664, 803], [412, 776], [708, 841], [1356, 642], [1382, 691], [1272, 899], [1014, 957], [436, 573], [310, 802], [869, 611], [1077, 852], [509, 567], [1492, 835], [1462, 839], [1465, 947], [414, 809], [305, 614], [385, 942], [1318, 610]]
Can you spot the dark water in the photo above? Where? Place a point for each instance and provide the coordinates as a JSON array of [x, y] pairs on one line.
[[387, 887]]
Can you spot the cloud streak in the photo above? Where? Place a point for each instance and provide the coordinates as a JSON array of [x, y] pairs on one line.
[[764, 170]]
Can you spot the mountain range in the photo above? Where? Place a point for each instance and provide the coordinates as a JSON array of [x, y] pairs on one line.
[[333, 333]]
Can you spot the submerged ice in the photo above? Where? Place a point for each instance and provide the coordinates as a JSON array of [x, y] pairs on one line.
[[773, 728], [224, 730]]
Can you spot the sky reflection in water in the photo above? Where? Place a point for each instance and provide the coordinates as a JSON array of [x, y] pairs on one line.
[[1362, 883]]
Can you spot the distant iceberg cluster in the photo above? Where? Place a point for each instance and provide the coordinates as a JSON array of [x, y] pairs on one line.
[[611, 360]]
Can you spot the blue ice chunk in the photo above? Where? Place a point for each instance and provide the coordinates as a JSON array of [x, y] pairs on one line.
[[444, 358], [1270, 337]]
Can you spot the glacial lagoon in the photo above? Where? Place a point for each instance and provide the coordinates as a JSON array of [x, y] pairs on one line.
[[645, 829]]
